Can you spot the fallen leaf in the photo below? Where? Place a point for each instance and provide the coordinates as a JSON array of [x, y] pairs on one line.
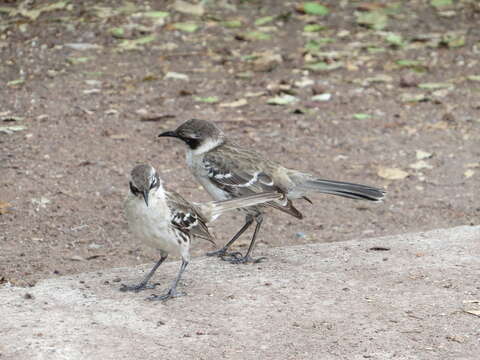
[[435, 86], [187, 8], [282, 100], [392, 173], [313, 28], [82, 46], [472, 165], [473, 77], [322, 97], [119, 136], [208, 99], [11, 129], [473, 312], [156, 14], [421, 164], [231, 24], [176, 76], [78, 60], [264, 20], [256, 35], [469, 173], [4, 207], [238, 103], [453, 39], [376, 20], [323, 66], [16, 82], [394, 39], [441, 3], [33, 14], [406, 97], [185, 27], [421, 155], [313, 8], [361, 116]]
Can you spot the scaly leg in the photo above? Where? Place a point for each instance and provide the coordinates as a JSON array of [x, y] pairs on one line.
[[172, 292], [143, 284]]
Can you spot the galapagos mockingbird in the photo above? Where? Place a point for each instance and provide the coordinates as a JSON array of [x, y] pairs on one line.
[[166, 221], [228, 171]]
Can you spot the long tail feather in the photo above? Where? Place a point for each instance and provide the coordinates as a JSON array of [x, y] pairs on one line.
[[214, 208], [345, 189]]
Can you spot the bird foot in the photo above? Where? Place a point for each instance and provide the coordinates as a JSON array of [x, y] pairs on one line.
[[237, 258], [220, 252], [172, 293], [138, 287]]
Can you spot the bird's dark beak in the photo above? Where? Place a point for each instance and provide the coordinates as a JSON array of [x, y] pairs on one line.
[[145, 196], [168, 134]]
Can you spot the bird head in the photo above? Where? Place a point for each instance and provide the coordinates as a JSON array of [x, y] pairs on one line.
[[143, 179], [196, 133]]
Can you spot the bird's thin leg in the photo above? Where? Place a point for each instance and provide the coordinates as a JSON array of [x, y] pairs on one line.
[[247, 259], [144, 283], [223, 251], [172, 292]]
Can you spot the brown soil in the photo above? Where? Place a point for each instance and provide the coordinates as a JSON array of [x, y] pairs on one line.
[[89, 121]]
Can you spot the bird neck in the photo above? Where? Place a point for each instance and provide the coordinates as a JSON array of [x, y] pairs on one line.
[[207, 145]]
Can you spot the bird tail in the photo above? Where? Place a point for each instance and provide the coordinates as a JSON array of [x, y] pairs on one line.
[[215, 208], [340, 188]]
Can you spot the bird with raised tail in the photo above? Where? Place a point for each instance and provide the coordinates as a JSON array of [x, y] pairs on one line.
[[228, 171], [166, 221]]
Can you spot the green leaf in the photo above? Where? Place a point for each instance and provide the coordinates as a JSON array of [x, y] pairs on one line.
[[406, 97], [376, 20], [208, 99], [395, 39], [323, 66], [441, 3], [282, 100], [134, 44], [264, 20], [117, 32], [78, 60], [231, 24], [313, 28], [156, 14], [16, 82], [314, 8], [185, 27], [473, 77], [435, 86], [257, 35], [361, 116]]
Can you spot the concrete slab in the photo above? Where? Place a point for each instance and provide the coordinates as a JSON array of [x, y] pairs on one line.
[[323, 301]]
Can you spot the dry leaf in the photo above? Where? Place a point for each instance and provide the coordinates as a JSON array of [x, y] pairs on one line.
[[473, 312], [469, 173], [238, 103], [392, 173], [4, 207], [421, 155], [421, 165]]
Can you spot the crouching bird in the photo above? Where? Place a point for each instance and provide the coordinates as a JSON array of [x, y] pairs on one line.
[[229, 171], [166, 221]]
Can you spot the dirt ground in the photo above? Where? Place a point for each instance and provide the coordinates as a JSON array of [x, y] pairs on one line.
[[87, 86]]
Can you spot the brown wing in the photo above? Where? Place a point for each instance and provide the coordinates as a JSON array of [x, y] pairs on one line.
[[241, 172], [186, 217]]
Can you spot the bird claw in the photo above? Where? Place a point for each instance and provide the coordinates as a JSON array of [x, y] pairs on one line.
[[237, 258], [220, 253], [137, 288], [172, 293]]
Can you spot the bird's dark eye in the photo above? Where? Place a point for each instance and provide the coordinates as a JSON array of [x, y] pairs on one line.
[[192, 143], [133, 189]]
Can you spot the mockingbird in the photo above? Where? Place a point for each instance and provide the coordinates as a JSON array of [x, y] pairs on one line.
[[227, 171], [166, 221]]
